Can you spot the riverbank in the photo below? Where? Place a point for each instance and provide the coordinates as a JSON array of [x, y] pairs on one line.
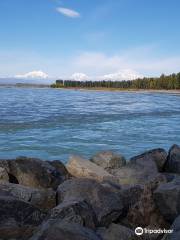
[[103, 198]]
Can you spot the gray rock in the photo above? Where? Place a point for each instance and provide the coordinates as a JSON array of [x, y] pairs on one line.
[[141, 169], [82, 168], [170, 176], [32, 172], [142, 210], [18, 219], [3, 175], [173, 160], [167, 199], [75, 212], [60, 230], [130, 194], [43, 199], [106, 204], [108, 160], [158, 156], [59, 166], [134, 174], [176, 231], [117, 232]]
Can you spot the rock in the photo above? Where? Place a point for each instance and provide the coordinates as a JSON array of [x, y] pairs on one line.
[[116, 232], [59, 166], [134, 174], [82, 168], [170, 176], [141, 169], [130, 194], [3, 175], [43, 199], [143, 211], [175, 235], [158, 156], [173, 160], [75, 212], [60, 230], [32, 172], [108, 160], [167, 199], [106, 204], [17, 218]]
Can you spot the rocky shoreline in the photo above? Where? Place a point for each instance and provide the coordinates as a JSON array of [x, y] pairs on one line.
[[103, 198]]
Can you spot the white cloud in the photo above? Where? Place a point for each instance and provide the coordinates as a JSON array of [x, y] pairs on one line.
[[79, 77], [143, 60], [68, 12], [124, 74], [138, 61], [33, 74]]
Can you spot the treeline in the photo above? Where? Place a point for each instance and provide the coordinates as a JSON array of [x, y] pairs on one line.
[[163, 82]]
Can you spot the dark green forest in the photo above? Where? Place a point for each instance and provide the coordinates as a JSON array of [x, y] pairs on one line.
[[166, 82]]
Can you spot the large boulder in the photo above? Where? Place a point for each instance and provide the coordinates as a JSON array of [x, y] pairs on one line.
[[175, 235], [141, 169], [62, 230], [130, 194], [75, 212], [106, 204], [158, 156], [18, 219], [3, 175], [141, 209], [59, 166], [173, 160], [134, 174], [170, 176], [82, 168], [32, 172], [108, 160], [117, 232], [167, 199], [41, 198]]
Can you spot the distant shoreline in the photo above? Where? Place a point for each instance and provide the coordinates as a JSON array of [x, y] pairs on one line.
[[121, 90], [100, 89], [20, 85]]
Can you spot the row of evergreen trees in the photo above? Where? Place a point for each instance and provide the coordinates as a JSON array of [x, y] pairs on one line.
[[163, 82]]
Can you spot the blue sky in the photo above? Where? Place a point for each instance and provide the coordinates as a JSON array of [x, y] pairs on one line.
[[82, 38]]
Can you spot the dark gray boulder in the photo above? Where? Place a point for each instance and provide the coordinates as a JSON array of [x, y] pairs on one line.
[[62, 230], [141, 169], [167, 199], [18, 219], [142, 210], [59, 166], [106, 204], [75, 212], [41, 198], [130, 194], [158, 156], [170, 176], [33, 172], [173, 160], [108, 160], [134, 174], [175, 235], [117, 232]]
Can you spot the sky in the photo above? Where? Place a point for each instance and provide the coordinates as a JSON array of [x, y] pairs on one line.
[[82, 39]]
